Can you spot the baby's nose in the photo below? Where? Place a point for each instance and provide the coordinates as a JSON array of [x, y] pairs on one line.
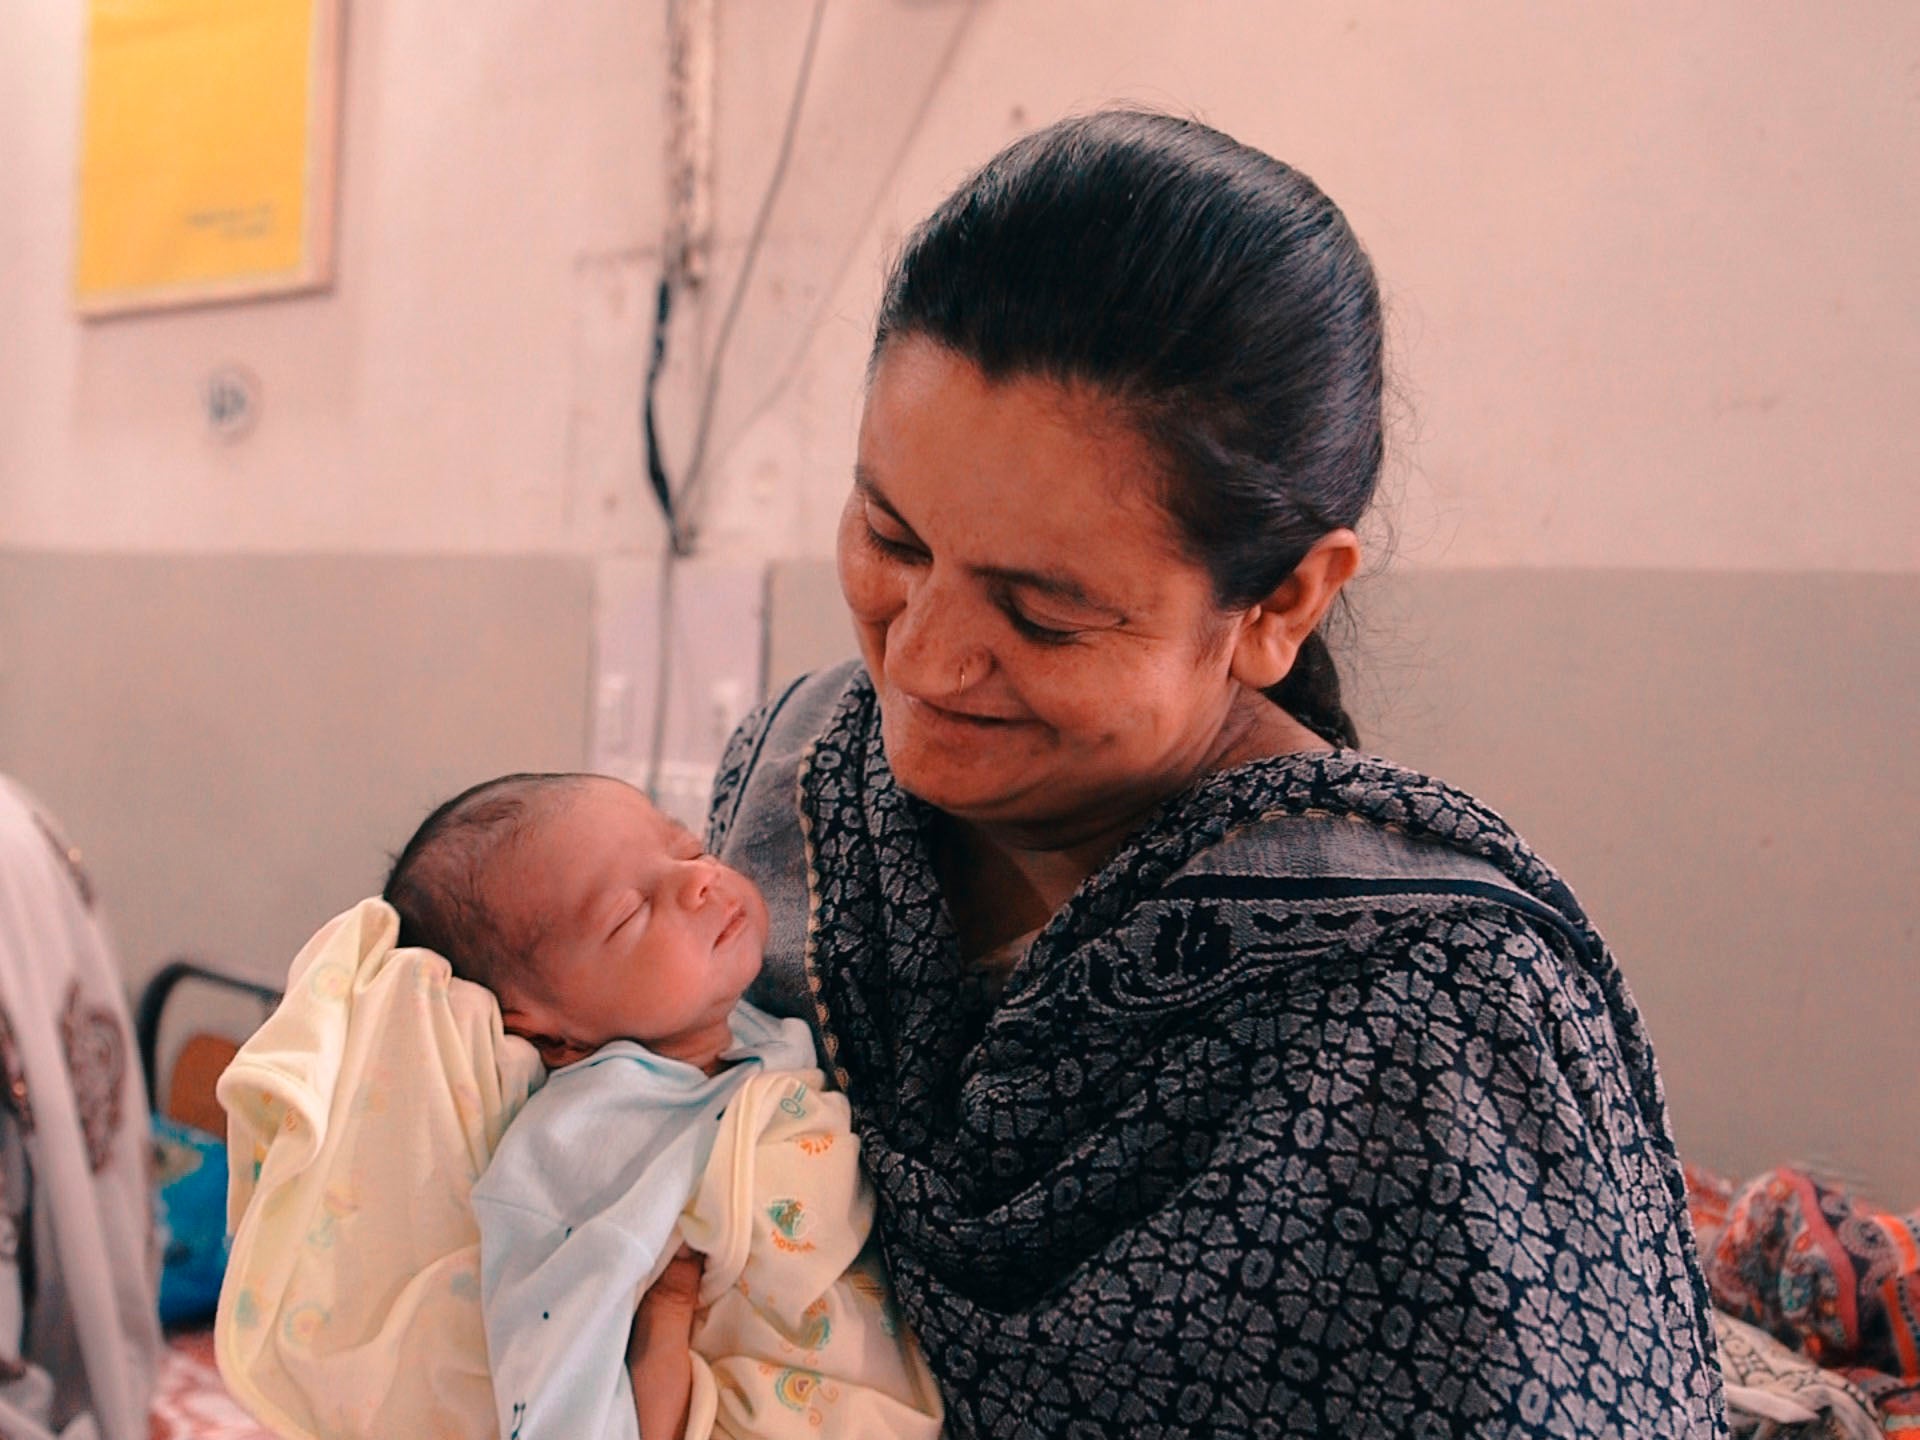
[[696, 882]]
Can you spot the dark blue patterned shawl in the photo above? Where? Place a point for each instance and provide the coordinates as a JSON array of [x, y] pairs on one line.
[[1320, 1110]]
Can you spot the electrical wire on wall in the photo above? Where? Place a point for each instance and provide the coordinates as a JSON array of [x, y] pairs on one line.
[[678, 505], [806, 330]]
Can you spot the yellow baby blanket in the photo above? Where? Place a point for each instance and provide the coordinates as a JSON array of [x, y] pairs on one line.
[[358, 1118], [800, 1335]]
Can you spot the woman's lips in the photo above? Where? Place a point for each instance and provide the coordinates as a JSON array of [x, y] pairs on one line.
[[929, 710]]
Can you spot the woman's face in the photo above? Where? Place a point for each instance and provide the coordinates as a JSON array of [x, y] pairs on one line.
[[1045, 657]]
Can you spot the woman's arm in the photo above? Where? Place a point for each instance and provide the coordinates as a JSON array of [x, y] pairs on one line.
[[660, 1349]]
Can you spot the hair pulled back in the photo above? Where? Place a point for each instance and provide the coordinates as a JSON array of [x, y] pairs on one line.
[[1216, 295]]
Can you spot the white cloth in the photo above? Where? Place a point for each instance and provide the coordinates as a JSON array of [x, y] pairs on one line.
[[1774, 1391], [78, 1357], [578, 1216], [799, 1336], [359, 1117]]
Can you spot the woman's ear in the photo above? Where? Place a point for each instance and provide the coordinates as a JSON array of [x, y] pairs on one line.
[[1271, 633]]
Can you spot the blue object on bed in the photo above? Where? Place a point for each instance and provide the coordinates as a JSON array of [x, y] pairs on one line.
[[190, 1200], [191, 1209]]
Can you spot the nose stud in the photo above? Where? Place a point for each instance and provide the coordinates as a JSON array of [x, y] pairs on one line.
[[962, 684]]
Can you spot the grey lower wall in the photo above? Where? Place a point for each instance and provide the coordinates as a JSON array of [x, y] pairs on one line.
[[237, 743], [1726, 767]]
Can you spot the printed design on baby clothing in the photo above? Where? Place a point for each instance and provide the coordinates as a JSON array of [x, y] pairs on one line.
[[97, 1065], [371, 1097], [815, 1328], [338, 1203], [246, 1310], [791, 1222], [304, 1323], [814, 1146], [330, 982], [802, 1391], [794, 1103]]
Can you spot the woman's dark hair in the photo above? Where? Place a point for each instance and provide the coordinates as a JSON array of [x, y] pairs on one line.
[[1216, 295]]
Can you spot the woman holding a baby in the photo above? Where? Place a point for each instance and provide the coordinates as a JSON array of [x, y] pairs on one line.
[[1212, 1075]]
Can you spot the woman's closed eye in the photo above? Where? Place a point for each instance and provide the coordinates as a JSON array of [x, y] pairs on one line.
[[885, 536], [1037, 617], [1039, 633]]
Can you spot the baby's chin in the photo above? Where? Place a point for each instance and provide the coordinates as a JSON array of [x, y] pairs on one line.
[[743, 980]]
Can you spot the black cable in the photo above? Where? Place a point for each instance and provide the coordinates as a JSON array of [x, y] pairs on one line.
[[756, 239], [808, 329], [662, 672], [680, 536], [656, 466]]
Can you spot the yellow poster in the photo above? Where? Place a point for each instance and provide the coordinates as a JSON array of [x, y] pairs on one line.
[[206, 158]]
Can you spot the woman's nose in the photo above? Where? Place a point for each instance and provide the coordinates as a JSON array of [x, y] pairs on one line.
[[933, 643]]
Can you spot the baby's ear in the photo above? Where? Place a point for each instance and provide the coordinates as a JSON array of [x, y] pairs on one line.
[[1269, 635]]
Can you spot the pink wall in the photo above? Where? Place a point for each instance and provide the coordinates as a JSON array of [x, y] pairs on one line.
[[1651, 270]]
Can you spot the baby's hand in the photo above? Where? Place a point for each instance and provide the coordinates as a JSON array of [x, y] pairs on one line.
[[679, 1284], [660, 1348]]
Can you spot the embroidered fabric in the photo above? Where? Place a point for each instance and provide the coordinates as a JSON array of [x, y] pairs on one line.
[[1321, 1109], [79, 1333]]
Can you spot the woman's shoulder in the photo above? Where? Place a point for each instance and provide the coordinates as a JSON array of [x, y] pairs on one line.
[[1326, 822], [1232, 887], [768, 745]]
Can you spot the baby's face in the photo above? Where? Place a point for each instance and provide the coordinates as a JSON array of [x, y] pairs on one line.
[[637, 933]]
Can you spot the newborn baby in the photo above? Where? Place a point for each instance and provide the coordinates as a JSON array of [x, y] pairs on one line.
[[620, 949], [590, 914]]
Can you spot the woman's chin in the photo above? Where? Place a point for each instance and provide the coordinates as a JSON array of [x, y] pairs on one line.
[[959, 774]]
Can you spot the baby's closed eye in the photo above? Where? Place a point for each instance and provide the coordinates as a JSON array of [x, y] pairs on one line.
[[632, 910]]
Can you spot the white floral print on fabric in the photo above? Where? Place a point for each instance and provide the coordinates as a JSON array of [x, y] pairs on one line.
[[1373, 1146]]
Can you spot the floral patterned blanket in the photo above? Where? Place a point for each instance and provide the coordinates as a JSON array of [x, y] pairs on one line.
[[1818, 1298]]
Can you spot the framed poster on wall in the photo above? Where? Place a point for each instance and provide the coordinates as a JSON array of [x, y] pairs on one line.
[[207, 151]]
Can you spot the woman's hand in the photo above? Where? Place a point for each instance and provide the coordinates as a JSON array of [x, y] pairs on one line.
[[660, 1349]]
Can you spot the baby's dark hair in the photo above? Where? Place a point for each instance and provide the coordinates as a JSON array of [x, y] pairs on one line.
[[438, 883]]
